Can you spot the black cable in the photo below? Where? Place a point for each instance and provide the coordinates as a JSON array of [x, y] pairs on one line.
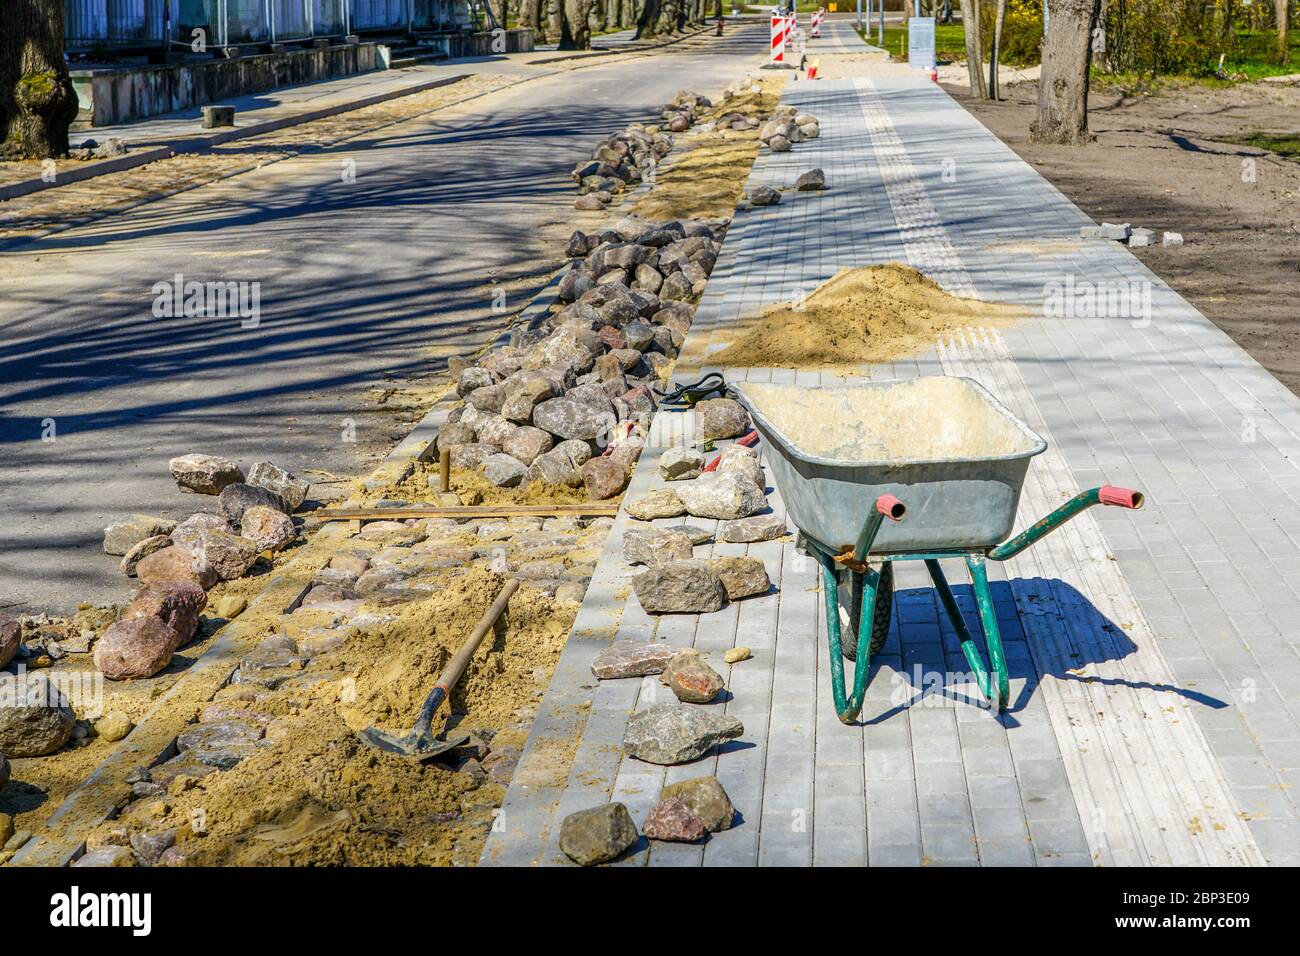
[[694, 392]]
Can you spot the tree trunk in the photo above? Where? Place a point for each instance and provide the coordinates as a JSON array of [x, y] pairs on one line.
[[554, 20], [996, 50], [575, 31], [658, 18], [1063, 83], [1283, 52], [37, 101], [970, 22], [528, 10]]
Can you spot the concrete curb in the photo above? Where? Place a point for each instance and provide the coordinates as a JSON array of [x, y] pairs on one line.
[[195, 143]]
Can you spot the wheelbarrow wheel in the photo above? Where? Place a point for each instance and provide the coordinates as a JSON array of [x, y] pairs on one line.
[[880, 620]]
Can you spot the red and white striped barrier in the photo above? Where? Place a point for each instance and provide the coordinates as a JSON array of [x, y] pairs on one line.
[[817, 19], [780, 35]]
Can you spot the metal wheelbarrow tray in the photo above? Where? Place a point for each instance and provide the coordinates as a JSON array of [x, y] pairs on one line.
[[939, 450]]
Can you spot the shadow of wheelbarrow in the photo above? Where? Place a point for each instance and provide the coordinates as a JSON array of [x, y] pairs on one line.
[[1048, 627]]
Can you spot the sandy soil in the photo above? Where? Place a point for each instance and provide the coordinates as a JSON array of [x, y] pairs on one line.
[[1160, 161], [705, 177]]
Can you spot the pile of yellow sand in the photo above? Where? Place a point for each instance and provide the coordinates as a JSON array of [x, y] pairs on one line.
[[858, 317]]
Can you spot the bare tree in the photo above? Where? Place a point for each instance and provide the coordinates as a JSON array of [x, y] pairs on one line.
[[37, 101], [1063, 83], [996, 50], [970, 22], [1283, 41]]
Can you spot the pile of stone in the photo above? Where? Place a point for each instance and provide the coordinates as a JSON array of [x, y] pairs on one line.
[[731, 490], [253, 516], [787, 127], [628, 158], [686, 812], [567, 402], [746, 85], [178, 563], [620, 163], [1134, 236], [680, 115], [664, 734], [89, 149]]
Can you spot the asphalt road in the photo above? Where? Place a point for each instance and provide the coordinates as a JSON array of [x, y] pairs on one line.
[[359, 282]]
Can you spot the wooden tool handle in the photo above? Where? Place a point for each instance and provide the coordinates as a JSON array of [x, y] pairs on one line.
[[456, 666]]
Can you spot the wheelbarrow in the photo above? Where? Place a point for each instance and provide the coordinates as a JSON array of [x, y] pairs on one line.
[[917, 470]]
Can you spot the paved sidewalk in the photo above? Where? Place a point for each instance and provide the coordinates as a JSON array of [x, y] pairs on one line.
[[1155, 678]]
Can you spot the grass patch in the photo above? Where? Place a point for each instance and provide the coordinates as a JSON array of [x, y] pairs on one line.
[[1251, 55], [949, 41], [1284, 144]]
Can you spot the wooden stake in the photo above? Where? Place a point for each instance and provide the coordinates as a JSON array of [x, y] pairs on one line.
[[356, 515], [444, 470]]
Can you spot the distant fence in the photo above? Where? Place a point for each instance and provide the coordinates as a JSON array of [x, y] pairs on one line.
[[95, 24]]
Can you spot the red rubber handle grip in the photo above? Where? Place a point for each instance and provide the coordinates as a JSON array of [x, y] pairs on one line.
[[891, 507], [1120, 497], [749, 440]]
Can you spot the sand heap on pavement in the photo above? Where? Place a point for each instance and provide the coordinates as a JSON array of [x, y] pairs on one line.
[[858, 317]]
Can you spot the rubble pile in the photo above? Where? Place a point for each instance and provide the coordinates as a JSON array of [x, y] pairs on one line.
[[787, 127], [628, 158], [567, 402]]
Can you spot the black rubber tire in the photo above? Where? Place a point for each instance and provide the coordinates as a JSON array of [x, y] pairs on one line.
[[884, 614]]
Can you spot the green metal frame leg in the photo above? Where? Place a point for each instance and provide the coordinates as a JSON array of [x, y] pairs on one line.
[[989, 622], [848, 706]]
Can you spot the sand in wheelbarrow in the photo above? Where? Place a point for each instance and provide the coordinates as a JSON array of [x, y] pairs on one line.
[[929, 418], [858, 317]]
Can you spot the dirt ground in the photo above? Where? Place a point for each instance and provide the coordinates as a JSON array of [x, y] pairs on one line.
[[1160, 160]]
